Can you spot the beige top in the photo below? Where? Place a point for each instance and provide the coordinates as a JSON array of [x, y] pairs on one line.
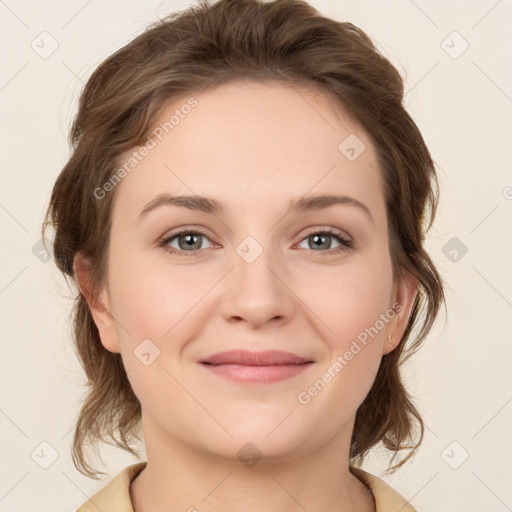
[[115, 496]]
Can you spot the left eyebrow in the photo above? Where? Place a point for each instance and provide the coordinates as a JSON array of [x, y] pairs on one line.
[[305, 204], [210, 205]]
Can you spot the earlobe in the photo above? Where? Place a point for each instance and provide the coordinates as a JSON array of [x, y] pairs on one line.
[[98, 304], [404, 299]]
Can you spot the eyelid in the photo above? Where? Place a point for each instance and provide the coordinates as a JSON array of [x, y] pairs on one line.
[[205, 232], [329, 230], [344, 239], [187, 229]]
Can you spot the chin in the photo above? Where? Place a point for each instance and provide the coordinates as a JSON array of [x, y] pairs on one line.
[[263, 437]]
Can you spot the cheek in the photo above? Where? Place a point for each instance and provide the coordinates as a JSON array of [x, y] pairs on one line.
[[156, 304], [349, 300], [151, 301], [351, 306], [353, 311]]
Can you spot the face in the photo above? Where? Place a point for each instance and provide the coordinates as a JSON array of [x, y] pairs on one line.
[[271, 269]]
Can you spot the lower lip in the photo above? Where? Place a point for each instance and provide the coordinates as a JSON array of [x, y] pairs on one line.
[[257, 374]]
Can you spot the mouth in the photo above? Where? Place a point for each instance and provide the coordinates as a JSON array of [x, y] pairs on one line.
[[266, 367]]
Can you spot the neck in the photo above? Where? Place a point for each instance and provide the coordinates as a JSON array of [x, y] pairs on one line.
[[181, 477]]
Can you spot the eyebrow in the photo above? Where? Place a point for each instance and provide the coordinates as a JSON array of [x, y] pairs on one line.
[[212, 206]]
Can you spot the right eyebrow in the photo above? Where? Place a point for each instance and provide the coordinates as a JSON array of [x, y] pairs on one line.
[[198, 203]]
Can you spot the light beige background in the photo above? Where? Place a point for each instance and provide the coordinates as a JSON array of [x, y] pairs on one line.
[[461, 378]]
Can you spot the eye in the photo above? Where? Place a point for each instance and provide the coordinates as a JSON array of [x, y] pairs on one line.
[[322, 239], [191, 241]]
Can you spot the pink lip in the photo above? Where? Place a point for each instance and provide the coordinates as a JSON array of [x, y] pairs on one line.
[[246, 358], [256, 367]]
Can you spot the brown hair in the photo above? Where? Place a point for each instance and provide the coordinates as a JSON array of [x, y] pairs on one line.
[[286, 40]]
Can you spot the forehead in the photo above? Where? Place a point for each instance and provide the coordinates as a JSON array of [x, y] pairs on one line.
[[245, 141]]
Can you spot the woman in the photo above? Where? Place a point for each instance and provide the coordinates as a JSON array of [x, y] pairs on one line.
[[243, 215]]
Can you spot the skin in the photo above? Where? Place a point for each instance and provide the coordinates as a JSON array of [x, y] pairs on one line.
[[254, 147]]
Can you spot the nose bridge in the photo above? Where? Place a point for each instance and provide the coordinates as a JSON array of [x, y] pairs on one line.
[[257, 293], [255, 263]]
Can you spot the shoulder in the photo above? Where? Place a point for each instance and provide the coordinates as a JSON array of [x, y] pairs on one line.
[[386, 498], [115, 496]]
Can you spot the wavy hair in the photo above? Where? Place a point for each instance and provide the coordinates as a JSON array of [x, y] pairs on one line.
[[212, 44]]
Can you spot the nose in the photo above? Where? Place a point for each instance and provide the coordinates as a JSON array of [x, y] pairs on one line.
[[256, 293]]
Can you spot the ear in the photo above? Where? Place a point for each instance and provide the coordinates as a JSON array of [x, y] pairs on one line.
[[98, 305], [402, 300]]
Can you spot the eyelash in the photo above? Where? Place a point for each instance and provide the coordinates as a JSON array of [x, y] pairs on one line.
[[346, 243]]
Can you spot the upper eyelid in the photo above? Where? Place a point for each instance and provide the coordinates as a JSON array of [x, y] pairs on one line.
[[181, 231], [312, 229]]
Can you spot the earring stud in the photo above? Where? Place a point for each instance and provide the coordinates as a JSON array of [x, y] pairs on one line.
[[390, 337]]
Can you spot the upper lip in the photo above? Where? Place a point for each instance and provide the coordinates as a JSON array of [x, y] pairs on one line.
[[247, 358]]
